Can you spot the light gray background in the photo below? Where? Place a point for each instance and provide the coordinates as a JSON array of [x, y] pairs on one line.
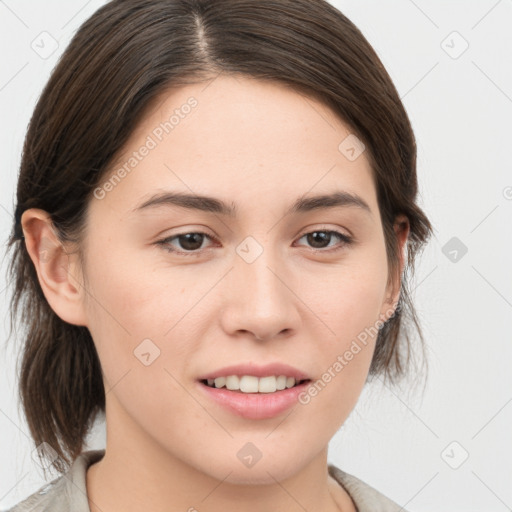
[[460, 105]]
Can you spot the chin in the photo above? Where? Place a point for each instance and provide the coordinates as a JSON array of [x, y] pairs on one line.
[[262, 475], [266, 470]]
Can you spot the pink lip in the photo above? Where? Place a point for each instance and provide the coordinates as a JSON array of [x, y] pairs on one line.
[[257, 371], [254, 406]]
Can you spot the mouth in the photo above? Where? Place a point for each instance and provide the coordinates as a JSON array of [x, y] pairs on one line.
[[254, 392], [250, 384]]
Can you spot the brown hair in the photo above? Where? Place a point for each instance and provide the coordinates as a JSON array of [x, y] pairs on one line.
[[121, 59]]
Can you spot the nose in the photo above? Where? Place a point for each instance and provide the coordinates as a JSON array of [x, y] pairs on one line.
[[259, 301]]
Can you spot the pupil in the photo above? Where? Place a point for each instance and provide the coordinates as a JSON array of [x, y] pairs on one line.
[[321, 236], [189, 241]]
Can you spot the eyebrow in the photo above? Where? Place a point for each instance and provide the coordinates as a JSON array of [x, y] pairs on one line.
[[217, 206]]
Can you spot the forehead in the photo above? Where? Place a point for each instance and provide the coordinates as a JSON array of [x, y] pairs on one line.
[[242, 139]]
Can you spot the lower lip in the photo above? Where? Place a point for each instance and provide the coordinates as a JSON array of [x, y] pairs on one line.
[[255, 406]]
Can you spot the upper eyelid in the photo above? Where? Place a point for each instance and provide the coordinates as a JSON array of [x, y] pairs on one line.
[[322, 227]]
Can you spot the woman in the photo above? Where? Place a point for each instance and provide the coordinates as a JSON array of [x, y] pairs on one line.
[[215, 212]]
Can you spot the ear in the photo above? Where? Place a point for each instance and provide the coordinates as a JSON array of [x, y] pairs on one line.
[[401, 228], [57, 269]]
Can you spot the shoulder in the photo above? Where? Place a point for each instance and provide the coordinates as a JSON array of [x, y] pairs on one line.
[[49, 496], [64, 493], [365, 497]]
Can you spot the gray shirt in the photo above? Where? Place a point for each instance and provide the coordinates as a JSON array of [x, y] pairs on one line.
[[68, 493]]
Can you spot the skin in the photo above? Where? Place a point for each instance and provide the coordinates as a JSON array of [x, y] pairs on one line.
[[261, 146]]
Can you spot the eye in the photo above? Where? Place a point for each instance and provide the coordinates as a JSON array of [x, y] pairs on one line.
[[189, 243], [320, 239]]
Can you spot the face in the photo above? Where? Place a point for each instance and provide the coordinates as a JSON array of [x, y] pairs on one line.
[[264, 281]]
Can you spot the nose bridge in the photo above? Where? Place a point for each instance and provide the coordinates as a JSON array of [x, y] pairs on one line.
[[258, 270], [259, 300]]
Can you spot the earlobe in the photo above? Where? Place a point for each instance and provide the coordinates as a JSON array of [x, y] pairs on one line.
[[57, 270]]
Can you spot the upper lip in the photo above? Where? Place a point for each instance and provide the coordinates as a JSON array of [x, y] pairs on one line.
[[257, 371]]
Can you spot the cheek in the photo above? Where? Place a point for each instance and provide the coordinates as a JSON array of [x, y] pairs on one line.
[[132, 312], [350, 298], [127, 288], [349, 303]]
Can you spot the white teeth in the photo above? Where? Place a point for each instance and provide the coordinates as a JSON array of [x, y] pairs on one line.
[[233, 382], [267, 385], [251, 384], [281, 382], [220, 382]]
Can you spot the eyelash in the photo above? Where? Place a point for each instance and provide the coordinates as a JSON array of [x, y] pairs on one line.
[[165, 243]]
